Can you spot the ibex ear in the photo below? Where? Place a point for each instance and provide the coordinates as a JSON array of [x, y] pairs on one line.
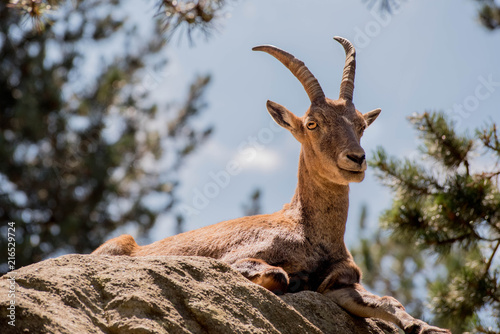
[[283, 116], [371, 116]]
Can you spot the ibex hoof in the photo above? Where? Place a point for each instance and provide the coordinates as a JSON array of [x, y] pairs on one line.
[[421, 327], [274, 279]]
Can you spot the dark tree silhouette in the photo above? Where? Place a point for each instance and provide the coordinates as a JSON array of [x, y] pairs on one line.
[[83, 149]]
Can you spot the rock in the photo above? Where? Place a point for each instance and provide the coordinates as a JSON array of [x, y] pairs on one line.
[[94, 294]]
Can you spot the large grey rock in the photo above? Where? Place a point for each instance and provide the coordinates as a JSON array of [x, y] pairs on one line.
[[90, 294]]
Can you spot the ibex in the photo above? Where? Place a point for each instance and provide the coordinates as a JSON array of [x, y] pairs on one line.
[[300, 247]]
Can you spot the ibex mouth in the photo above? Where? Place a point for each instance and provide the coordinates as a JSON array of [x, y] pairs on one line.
[[351, 172], [352, 169]]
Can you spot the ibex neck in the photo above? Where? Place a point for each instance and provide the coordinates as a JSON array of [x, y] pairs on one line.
[[321, 204]]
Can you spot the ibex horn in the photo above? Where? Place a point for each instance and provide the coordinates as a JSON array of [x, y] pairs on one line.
[[347, 84], [298, 68]]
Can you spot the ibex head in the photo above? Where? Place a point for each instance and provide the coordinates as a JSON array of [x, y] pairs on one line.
[[330, 131]]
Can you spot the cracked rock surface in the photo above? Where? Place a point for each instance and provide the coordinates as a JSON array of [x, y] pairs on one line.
[[101, 294]]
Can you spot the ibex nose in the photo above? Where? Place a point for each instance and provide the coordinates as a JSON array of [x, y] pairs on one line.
[[353, 160], [359, 159]]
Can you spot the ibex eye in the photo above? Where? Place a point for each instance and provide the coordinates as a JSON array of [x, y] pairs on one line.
[[312, 125]]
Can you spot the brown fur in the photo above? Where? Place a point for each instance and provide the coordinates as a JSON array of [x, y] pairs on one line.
[[300, 247]]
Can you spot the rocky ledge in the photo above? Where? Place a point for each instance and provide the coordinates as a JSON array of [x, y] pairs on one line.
[[100, 294]]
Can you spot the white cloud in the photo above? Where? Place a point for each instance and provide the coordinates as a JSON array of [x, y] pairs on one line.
[[263, 159]]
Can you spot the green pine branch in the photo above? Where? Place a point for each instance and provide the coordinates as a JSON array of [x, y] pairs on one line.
[[440, 140], [451, 210]]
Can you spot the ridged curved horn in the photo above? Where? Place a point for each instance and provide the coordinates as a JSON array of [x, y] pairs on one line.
[[298, 68], [347, 84]]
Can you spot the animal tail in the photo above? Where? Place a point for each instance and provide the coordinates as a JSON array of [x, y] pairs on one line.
[[122, 245]]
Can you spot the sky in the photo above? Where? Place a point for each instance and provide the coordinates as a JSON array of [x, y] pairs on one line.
[[428, 55]]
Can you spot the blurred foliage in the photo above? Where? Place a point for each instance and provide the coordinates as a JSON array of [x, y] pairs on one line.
[[390, 267], [387, 6], [84, 149], [190, 15], [488, 12], [253, 207], [444, 227]]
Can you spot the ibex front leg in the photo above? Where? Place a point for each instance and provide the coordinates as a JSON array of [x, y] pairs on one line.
[[258, 271], [356, 300]]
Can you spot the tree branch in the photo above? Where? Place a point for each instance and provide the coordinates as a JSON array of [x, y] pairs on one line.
[[488, 265]]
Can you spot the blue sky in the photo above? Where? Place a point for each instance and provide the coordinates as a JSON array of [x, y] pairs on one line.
[[429, 55]]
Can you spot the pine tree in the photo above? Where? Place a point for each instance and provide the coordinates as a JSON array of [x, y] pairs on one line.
[[444, 224], [81, 141]]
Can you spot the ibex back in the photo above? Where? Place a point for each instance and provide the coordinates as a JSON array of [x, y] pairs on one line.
[[300, 247]]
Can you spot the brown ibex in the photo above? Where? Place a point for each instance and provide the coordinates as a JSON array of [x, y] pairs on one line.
[[300, 247]]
